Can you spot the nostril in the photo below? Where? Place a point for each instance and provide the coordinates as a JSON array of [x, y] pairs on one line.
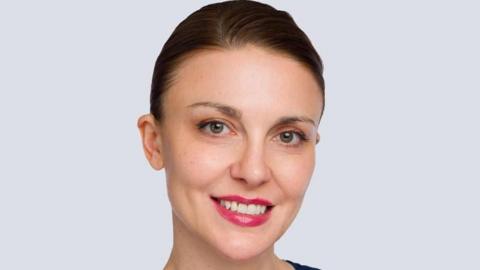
[[250, 174], [252, 166]]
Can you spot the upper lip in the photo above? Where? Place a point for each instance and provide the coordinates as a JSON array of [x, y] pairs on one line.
[[240, 199]]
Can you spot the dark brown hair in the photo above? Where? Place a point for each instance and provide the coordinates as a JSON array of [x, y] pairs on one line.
[[232, 25]]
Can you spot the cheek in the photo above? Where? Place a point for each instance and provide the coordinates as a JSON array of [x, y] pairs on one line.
[[196, 164], [293, 173]]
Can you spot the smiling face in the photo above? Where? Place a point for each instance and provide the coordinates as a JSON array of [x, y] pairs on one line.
[[238, 125]]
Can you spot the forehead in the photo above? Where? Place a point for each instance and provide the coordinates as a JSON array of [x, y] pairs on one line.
[[252, 79]]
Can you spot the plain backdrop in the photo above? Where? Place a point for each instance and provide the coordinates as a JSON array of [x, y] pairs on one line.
[[397, 179]]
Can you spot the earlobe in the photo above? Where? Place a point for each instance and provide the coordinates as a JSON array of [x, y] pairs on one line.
[[151, 140]]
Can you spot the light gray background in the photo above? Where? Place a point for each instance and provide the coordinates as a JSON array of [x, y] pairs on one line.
[[397, 179]]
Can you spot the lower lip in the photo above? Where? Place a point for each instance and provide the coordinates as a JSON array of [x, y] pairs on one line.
[[244, 220]]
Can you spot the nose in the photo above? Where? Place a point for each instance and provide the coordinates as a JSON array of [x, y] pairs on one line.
[[251, 166]]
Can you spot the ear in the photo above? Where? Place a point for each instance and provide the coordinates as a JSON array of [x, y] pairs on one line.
[[318, 138], [151, 140]]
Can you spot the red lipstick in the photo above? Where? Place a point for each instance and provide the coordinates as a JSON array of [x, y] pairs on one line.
[[241, 219], [243, 200]]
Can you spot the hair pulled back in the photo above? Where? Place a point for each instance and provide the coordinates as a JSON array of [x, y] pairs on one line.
[[232, 25]]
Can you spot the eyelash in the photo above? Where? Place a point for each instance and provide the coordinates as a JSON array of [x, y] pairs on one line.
[[301, 135]]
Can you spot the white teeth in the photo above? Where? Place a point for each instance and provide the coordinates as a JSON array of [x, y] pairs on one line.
[[234, 206], [242, 208], [251, 209]]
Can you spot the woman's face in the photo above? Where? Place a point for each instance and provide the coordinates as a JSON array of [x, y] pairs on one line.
[[239, 125]]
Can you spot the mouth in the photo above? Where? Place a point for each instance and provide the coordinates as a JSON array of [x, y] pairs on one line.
[[243, 212]]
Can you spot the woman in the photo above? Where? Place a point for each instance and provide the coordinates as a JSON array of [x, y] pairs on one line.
[[236, 99]]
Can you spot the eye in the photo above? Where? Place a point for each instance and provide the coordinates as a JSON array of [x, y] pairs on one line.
[[292, 138], [214, 127]]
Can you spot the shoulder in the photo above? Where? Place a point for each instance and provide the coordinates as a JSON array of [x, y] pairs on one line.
[[298, 266]]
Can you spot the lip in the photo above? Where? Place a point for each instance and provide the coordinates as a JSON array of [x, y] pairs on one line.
[[243, 200], [243, 220]]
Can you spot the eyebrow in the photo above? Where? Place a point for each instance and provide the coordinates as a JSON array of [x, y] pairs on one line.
[[235, 113], [225, 109], [292, 119]]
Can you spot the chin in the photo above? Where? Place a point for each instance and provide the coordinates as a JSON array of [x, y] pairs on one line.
[[241, 250]]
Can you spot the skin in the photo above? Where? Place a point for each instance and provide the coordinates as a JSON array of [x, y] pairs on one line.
[[248, 90]]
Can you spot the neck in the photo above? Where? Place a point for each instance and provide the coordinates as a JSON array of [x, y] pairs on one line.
[[191, 253]]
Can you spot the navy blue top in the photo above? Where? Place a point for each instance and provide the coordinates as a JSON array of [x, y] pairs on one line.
[[298, 266]]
